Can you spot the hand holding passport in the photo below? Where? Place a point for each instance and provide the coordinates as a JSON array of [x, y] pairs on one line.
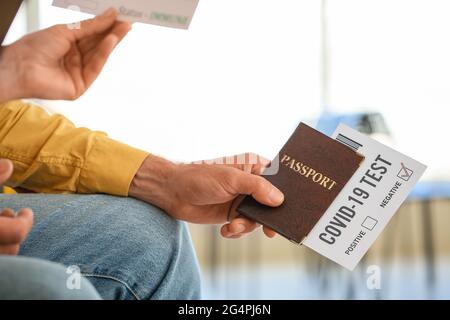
[[313, 169], [339, 193]]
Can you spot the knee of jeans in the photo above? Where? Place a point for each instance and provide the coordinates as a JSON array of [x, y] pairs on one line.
[[182, 276], [26, 278], [173, 257], [155, 256]]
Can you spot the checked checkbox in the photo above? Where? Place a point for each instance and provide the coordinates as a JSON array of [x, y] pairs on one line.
[[405, 173]]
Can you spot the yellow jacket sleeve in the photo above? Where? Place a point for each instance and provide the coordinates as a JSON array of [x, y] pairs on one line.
[[51, 155]]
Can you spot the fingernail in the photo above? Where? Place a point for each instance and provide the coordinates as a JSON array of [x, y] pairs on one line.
[[240, 228], [276, 196]]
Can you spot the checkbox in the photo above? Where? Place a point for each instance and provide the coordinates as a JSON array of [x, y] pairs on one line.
[[369, 223], [405, 173]]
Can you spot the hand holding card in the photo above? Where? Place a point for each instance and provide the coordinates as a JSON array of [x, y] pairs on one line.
[[339, 193]]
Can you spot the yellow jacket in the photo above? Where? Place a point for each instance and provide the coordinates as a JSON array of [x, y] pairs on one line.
[[51, 155]]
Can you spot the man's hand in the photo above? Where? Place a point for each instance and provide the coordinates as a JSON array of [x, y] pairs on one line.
[[206, 193], [59, 63], [13, 228]]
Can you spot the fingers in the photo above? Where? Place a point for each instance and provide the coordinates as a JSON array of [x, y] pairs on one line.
[[94, 65], [8, 213], [90, 45], [11, 245], [96, 25], [258, 187], [14, 230], [238, 227], [269, 232], [261, 165], [262, 191], [6, 169], [121, 29], [10, 250], [241, 226]]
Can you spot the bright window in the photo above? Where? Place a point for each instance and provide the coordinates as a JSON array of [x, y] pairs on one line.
[[394, 57], [239, 80]]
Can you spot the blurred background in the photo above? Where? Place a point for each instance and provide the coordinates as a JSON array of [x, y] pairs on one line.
[[243, 77]]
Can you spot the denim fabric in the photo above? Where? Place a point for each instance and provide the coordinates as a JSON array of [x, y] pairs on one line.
[[30, 279], [126, 248]]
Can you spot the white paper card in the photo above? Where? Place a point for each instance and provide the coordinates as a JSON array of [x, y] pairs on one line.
[[167, 13], [368, 201]]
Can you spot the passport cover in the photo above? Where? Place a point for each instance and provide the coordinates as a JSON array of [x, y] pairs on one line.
[[313, 169]]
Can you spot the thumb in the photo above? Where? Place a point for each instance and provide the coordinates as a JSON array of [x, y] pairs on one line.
[[6, 169], [259, 188]]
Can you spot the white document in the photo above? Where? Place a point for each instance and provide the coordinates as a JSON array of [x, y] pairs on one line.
[[367, 202], [167, 13]]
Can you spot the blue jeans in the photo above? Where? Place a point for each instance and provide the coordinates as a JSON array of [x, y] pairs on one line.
[[126, 248]]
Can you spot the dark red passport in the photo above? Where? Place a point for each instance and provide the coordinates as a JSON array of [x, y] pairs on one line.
[[313, 169]]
